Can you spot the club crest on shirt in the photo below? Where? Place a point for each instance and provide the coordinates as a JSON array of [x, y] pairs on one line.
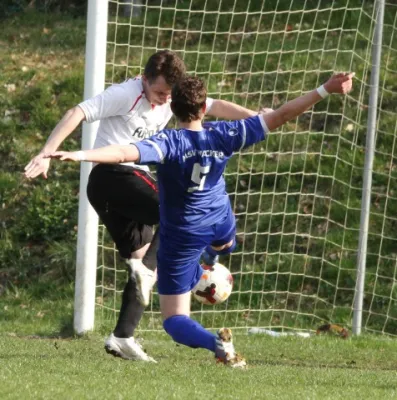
[[232, 132], [162, 135]]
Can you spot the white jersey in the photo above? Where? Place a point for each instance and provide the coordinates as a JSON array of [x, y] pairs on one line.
[[125, 114]]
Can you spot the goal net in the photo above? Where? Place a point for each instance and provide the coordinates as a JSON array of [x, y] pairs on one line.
[[296, 196]]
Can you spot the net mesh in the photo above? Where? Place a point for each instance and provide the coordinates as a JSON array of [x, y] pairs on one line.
[[296, 196]]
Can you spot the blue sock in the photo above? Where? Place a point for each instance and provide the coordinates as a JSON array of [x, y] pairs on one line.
[[209, 256], [185, 330]]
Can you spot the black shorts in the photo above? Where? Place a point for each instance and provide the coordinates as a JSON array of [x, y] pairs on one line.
[[126, 200]]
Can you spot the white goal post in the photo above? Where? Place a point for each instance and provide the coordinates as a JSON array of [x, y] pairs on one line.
[[87, 238], [316, 203]]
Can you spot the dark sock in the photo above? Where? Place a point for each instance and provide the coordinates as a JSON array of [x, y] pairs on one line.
[[130, 313], [131, 309]]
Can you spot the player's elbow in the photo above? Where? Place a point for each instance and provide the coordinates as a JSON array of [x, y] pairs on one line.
[[113, 154], [75, 112], [121, 156], [126, 154], [120, 159], [275, 119]]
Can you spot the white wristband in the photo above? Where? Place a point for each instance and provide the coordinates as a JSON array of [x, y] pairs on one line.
[[322, 92], [80, 155]]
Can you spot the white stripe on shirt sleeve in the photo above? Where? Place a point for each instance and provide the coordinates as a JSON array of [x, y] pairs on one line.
[[157, 147], [208, 104], [263, 123], [244, 134]]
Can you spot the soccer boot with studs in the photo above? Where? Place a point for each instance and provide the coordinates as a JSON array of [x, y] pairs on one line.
[[126, 348], [225, 352]]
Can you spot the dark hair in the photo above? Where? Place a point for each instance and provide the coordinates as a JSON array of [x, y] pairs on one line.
[[188, 98], [167, 64]]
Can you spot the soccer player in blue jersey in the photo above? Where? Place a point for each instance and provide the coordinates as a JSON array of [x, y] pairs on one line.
[[195, 211]]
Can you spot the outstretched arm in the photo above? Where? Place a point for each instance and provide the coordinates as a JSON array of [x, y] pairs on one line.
[[113, 154], [39, 164], [340, 83], [226, 110]]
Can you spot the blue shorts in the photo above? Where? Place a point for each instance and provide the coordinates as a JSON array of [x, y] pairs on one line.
[[179, 252]]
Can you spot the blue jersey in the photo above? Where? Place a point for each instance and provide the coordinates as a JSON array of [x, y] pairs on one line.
[[190, 166]]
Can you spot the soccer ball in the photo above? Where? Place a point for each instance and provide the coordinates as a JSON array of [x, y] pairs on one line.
[[214, 286]]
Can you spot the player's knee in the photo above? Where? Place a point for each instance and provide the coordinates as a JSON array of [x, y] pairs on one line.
[[124, 250], [223, 246], [228, 248]]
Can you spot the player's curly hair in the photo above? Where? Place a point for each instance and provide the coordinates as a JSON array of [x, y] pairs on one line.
[[167, 64], [188, 98]]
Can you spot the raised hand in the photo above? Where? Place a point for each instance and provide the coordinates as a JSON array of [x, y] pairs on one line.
[[340, 83], [37, 166]]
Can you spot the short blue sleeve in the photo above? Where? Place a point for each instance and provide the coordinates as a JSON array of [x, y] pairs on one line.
[[157, 149], [237, 135]]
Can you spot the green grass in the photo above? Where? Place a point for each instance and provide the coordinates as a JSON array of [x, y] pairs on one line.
[[279, 368], [40, 359]]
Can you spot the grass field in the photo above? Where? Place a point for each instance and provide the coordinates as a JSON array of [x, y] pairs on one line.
[[41, 360], [35, 367]]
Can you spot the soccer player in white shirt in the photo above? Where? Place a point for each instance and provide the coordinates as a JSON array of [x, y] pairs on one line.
[[195, 209], [125, 196]]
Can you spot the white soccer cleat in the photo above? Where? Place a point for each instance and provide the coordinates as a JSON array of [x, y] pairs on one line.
[[225, 352], [144, 278], [128, 349]]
